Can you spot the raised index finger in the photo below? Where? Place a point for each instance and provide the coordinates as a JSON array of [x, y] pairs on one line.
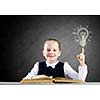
[[82, 51]]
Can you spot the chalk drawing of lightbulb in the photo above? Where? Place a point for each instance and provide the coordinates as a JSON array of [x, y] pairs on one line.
[[82, 35]]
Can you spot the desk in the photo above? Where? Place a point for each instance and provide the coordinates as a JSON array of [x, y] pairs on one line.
[[10, 83], [19, 83]]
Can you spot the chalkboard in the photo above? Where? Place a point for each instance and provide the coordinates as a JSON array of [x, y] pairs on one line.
[[22, 37]]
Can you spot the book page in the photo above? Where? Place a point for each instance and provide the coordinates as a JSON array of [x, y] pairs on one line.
[[45, 79], [66, 80], [38, 79]]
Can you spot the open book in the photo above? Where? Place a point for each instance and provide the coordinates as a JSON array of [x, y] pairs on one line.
[[45, 79]]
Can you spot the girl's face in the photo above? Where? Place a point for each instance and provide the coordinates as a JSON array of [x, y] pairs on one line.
[[51, 51]]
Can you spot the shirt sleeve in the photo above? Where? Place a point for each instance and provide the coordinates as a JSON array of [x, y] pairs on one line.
[[33, 72], [82, 72], [70, 72]]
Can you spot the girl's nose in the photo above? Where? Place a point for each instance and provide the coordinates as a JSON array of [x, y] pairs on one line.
[[51, 51]]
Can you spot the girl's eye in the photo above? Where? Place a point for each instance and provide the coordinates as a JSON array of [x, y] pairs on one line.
[[48, 50], [54, 50]]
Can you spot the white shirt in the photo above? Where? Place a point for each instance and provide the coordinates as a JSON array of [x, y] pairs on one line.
[[68, 71]]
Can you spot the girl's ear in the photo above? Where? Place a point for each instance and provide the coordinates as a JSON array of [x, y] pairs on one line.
[[43, 52], [59, 53]]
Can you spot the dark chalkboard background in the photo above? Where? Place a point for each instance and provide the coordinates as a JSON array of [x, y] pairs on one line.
[[22, 37]]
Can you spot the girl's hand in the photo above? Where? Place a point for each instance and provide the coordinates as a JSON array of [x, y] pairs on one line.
[[81, 58]]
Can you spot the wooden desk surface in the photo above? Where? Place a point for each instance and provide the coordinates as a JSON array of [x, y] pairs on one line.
[[19, 83]]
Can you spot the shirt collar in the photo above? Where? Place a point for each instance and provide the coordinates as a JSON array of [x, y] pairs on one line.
[[52, 65]]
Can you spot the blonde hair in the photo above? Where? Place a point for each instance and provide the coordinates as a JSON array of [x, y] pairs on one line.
[[53, 39]]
